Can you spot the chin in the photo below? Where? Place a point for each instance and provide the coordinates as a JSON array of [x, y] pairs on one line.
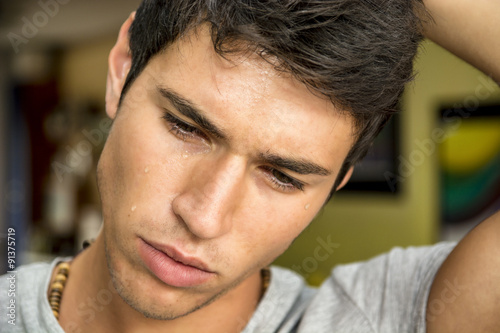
[[167, 311], [150, 297]]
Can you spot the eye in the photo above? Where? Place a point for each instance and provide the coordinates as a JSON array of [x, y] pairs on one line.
[[281, 181], [182, 129]]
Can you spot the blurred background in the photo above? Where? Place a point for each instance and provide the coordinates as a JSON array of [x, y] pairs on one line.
[[432, 175]]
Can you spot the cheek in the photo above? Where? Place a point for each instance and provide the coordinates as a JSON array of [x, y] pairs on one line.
[[138, 168], [268, 227]]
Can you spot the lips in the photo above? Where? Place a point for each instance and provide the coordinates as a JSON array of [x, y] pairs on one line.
[[172, 267]]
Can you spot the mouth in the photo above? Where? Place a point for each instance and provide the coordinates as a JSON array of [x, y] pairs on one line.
[[172, 267]]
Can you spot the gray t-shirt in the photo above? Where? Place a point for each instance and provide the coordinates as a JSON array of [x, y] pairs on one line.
[[385, 294]]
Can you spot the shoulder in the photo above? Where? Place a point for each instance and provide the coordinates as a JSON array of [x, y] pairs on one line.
[[26, 277], [385, 294], [283, 303], [400, 265], [26, 296], [22, 280]]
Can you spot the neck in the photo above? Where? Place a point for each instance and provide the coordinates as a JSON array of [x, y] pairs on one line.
[[91, 303]]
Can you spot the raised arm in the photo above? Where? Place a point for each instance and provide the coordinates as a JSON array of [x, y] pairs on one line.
[[465, 295], [468, 28]]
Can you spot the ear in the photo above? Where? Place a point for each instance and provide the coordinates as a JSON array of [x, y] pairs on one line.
[[346, 178], [119, 62]]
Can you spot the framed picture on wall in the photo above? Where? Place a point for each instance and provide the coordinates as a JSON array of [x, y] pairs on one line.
[[469, 164], [378, 172]]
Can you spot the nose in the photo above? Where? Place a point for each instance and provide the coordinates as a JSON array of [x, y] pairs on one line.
[[211, 194]]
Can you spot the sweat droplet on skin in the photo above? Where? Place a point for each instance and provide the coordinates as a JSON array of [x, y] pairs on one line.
[[133, 208], [306, 207]]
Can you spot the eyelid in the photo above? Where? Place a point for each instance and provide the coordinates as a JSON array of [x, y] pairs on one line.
[[167, 115], [285, 173], [177, 123], [296, 184]]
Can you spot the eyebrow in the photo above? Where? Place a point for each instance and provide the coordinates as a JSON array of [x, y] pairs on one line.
[[299, 166], [190, 110]]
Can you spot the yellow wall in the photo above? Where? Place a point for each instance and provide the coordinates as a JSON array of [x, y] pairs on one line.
[[361, 225], [365, 225]]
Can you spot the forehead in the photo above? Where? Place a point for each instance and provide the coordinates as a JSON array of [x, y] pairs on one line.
[[262, 107]]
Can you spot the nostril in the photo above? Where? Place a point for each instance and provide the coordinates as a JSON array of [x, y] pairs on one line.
[[200, 215]]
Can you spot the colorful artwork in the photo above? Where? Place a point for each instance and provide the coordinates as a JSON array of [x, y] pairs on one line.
[[470, 165]]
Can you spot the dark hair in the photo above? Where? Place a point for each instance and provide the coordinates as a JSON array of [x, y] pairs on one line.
[[357, 53]]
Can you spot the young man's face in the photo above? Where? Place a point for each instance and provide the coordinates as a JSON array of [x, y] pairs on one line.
[[223, 197]]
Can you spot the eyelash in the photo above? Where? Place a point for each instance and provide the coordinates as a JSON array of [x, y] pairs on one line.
[[290, 185], [185, 131], [181, 129]]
